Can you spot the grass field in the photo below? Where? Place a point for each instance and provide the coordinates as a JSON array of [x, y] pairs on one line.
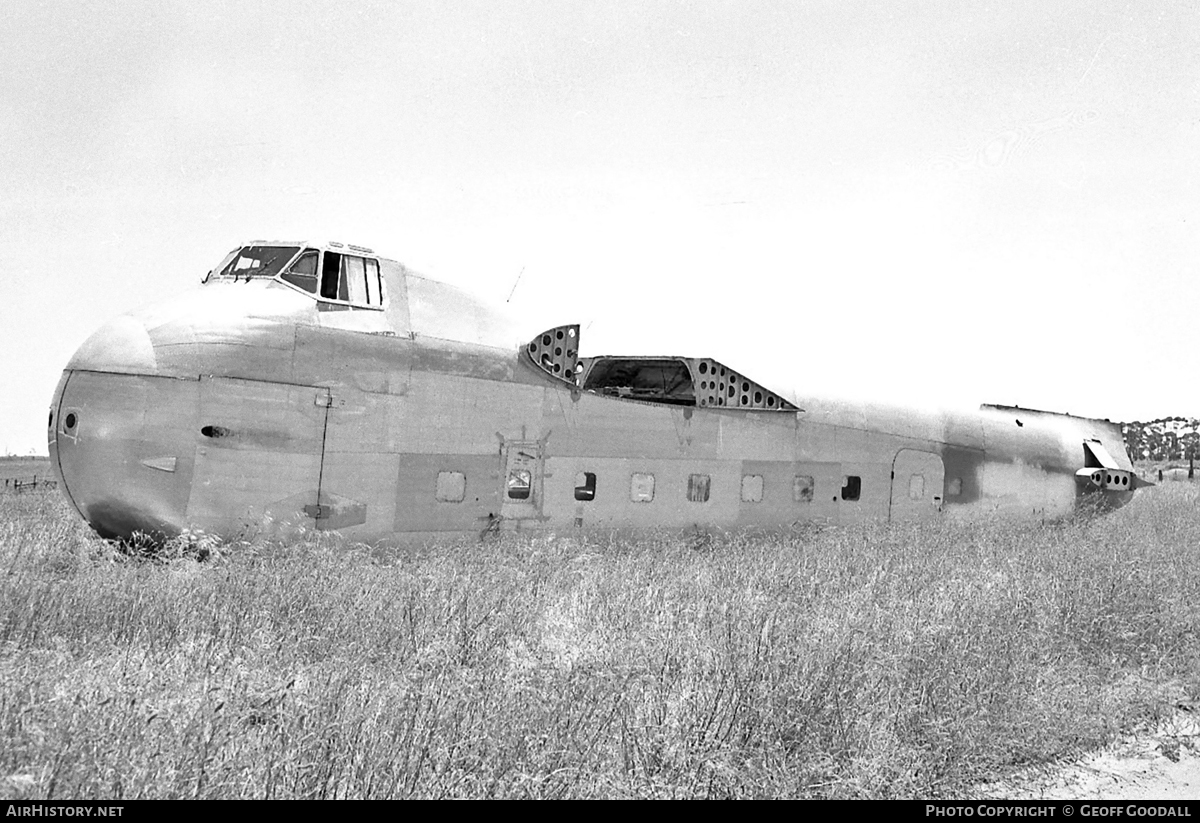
[[852, 662], [25, 468]]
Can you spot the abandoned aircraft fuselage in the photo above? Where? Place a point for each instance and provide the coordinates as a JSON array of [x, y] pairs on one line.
[[320, 386]]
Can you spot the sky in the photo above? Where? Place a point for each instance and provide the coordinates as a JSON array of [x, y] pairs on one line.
[[934, 203]]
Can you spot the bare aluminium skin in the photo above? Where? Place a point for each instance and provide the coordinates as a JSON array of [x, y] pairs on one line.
[[319, 385]]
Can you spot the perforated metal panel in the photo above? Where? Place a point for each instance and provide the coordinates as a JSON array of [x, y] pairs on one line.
[[556, 351], [720, 386]]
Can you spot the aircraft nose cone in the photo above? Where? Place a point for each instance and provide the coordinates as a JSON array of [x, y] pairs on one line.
[[123, 446], [120, 345], [121, 434]]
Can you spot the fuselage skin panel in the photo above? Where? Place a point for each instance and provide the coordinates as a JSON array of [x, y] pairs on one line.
[[249, 407]]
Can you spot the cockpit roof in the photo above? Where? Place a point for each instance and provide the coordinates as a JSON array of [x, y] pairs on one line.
[[356, 277], [319, 245], [251, 259]]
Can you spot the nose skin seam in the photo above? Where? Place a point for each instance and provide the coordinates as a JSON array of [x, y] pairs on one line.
[[120, 345]]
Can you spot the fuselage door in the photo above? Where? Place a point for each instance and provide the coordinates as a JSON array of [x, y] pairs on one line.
[[917, 479], [521, 496]]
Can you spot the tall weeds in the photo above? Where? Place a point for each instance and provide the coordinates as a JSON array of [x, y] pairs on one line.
[[854, 662]]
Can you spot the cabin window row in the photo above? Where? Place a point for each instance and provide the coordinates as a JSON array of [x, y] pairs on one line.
[[452, 487], [699, 488]]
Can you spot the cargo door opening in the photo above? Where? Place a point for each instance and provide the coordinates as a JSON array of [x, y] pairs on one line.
[[918, 478]]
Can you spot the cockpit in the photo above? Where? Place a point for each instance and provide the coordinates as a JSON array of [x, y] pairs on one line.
[[329, 272]]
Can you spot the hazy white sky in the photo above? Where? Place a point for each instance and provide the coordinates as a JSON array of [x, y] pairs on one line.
[[937, 202]]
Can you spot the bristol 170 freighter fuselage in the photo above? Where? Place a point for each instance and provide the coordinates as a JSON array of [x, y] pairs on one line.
[[317, 385]]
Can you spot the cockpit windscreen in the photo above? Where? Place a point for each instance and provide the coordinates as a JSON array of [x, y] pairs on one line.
[[257, 261]]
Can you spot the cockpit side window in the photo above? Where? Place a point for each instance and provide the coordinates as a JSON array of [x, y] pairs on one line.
[[332, 285], [374, 290], [351, 279], [225, 261], [355, 275], [303, 273]]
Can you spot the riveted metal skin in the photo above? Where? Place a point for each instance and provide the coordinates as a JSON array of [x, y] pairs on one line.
[[252, 405]]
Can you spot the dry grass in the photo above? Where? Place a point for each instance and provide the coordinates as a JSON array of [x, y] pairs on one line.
[[865, 662]]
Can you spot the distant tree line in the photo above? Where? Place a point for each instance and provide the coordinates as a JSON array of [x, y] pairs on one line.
[[1171, 438]]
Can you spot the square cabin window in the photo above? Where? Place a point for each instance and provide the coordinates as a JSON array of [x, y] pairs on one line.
[[698, 487], [641, 488], [851, 487], [802, 489], [451, 487], [585, 486], [519, 485], [752, 488], [916, 487]]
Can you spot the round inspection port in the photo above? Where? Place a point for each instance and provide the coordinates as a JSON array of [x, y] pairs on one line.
[[69, 422]]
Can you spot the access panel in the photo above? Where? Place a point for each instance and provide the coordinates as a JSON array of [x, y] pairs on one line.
[[258, 454]]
